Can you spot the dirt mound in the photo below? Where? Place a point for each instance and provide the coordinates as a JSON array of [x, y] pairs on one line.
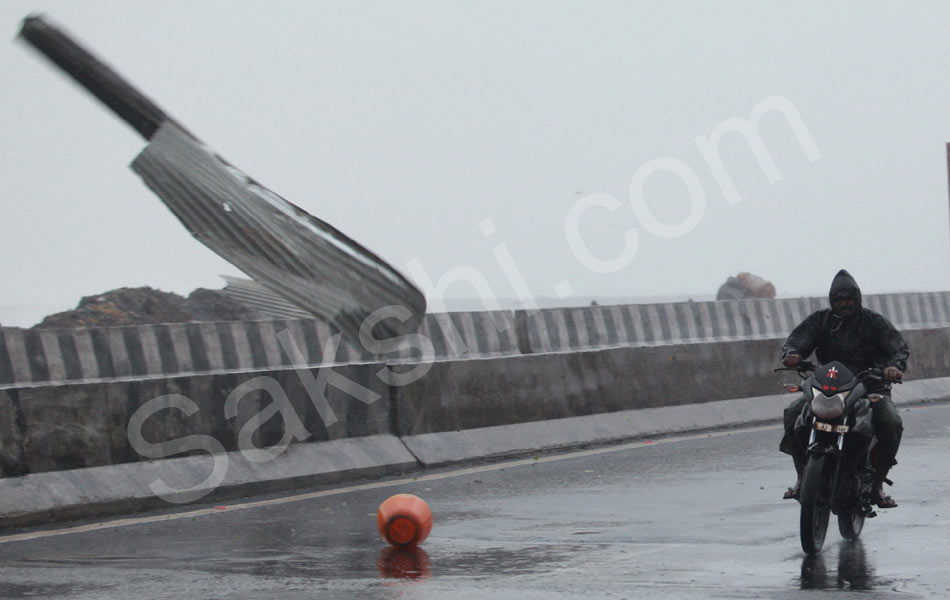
[[145, 305]]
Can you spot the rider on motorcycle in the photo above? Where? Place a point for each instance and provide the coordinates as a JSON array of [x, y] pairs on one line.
[[861, 339]]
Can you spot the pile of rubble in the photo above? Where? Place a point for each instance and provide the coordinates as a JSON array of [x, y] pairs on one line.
[[145, 305]]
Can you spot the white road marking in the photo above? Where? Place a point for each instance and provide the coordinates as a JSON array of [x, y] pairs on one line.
[[20, 537]]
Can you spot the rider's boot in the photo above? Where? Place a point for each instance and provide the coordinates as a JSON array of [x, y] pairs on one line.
[[792, 492], [877, 495]]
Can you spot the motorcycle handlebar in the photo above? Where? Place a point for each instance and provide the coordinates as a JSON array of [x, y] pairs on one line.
[[877, 374], [805, 367]]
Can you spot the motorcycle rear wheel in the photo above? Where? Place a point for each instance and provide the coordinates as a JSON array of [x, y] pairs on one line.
[[850, 524], [816, 511]]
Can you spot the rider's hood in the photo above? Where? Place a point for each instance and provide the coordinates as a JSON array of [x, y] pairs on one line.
[[844, 286]]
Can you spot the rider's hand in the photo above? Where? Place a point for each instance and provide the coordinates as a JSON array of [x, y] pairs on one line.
[[791, 360], [892, 374]]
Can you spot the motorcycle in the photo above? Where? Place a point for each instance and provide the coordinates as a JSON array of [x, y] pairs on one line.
[[839, 471]]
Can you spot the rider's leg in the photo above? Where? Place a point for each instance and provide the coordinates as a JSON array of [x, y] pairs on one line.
[[889, 428], [792, 492], [790, 444]]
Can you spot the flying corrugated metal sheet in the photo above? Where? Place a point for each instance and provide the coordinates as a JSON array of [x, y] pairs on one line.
[[294, 254], [280, 245], [252, 294]]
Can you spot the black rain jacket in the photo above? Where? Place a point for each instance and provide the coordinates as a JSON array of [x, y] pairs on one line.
[[860, 341]]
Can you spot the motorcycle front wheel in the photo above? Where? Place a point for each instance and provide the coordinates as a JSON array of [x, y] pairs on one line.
[[815, 505], [850, 524]]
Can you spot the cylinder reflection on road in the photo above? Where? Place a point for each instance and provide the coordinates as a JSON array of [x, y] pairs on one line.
[[403, 563]]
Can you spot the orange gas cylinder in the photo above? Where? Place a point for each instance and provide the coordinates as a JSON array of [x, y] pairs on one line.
[[404, 520]]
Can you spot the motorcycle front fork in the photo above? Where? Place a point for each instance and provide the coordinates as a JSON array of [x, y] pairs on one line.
[[861, 475], [814, 432]]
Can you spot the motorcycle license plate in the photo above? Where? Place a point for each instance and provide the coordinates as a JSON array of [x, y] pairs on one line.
[[831, 428]]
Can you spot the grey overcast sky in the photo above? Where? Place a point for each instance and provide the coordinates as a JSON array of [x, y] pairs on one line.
[[460, 137]]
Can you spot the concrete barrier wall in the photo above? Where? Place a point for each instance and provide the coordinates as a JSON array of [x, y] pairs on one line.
[[147, 350], [464, 334], [559, 330], [459, 395], [75, 425], [97, 353], [107, 353]]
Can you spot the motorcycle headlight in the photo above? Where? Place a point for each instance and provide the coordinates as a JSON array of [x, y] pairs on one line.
[[827, 407]]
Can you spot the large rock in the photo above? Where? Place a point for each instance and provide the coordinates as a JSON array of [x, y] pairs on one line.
[[745, 285]]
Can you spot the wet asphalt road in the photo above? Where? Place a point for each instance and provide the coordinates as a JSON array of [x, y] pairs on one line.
[[699, 517]]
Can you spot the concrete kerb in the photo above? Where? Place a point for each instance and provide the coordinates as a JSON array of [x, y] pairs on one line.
[[61, 495], [43, 498]]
